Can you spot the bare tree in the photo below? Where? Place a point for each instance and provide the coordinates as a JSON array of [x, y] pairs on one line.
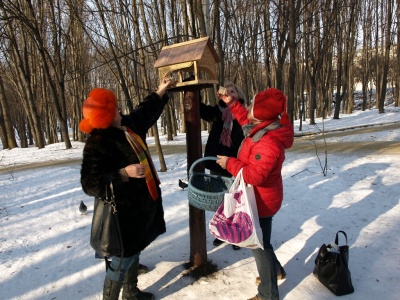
[[145, 77], [22, 56], [397, 64], [78, 65], [312, 55], [55, 51], [366, 53], [383, 66], [294, 15], [346, 39], [6, 129]]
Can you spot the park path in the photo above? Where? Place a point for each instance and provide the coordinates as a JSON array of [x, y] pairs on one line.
[[304, 142], [309, 142]]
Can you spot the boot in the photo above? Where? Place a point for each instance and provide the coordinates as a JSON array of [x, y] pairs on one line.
[[111, 289], [133, 293], [281, 276], [130, 290], [143, 269]]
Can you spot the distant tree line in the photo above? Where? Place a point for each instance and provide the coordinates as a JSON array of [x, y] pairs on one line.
[[52, 52]]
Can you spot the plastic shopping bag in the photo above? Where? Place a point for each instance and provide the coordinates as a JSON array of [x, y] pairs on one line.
[[236, 220]]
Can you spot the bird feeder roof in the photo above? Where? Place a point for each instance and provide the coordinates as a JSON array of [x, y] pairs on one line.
[[193, 50]]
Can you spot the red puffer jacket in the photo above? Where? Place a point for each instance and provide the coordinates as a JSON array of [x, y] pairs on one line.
[[261, 160]]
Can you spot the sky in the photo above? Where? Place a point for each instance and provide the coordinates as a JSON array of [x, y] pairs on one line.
[[44, 240]]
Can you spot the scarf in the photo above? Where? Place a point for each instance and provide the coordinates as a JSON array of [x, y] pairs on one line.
[[228, 118], [247, 128], [145, 159]]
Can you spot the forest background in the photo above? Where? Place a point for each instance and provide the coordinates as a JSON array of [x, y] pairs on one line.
[[53, 52]]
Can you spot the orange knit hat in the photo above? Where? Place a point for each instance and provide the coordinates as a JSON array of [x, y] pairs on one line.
[[269, 105], [98, 110]]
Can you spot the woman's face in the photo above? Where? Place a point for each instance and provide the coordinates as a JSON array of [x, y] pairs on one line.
[[250, 115], [232, 92]]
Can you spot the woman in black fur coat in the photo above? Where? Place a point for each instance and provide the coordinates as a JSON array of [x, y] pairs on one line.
[[116, 151], [225, 135]]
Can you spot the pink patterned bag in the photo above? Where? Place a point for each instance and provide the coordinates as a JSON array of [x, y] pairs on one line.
[[236, 220]]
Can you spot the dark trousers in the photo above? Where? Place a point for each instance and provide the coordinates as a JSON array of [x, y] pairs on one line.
[[266, 262]]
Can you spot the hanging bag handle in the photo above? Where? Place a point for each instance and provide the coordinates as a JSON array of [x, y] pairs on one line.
[[337, 237], [115, 213]]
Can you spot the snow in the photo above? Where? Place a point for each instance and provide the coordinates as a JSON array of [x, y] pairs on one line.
[[44, 240]]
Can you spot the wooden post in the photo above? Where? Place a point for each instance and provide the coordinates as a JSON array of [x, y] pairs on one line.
[[191, 57], [198, 249]]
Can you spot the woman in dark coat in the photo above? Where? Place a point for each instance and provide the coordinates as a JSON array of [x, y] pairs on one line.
[[116, 151], [225, 135]]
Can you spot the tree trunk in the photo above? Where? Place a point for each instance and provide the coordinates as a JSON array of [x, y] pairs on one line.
[[397, 82], [386, 41], [293, 24], [7, 131], [168, 122], [339, 68], [22, 68], [365, 67]]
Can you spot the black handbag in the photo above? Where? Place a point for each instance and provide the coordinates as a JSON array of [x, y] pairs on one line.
[[332, 267], [105, 234]]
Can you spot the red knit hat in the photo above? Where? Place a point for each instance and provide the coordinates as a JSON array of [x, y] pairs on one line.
[[269, 105], [98, 110]]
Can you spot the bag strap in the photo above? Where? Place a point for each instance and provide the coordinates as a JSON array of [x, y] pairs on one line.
[[115, 213], [337, 237]]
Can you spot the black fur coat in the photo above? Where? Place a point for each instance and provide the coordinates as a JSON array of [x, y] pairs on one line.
[[105, 153], [214, 147]]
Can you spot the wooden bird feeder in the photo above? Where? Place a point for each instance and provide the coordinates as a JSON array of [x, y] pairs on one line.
[[193, 61], [193, 65]]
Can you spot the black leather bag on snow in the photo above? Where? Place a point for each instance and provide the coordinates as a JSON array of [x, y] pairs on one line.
[[105, 235], [332, 267]]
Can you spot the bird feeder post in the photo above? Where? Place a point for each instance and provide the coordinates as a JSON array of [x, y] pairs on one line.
[[198, 249], [192, 63]]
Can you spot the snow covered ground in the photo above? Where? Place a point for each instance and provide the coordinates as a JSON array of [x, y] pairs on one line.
[[44, 240]]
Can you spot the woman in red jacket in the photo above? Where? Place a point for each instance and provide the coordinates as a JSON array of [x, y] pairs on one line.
[[268, 132]]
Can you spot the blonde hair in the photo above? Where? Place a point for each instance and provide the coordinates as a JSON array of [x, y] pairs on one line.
[[238, 90]]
